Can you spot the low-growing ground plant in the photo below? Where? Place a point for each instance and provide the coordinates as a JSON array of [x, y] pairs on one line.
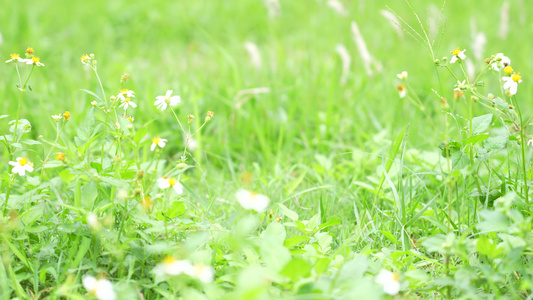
[[143, 195]]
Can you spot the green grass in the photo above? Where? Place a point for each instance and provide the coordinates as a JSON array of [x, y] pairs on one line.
[[318, 149]]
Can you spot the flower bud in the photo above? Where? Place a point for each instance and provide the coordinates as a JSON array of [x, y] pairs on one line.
[[209, 116], [190, 119], [61, 157], [66, 115], [181, 165]]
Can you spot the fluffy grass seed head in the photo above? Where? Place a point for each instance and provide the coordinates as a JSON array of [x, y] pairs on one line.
[[21, 166], [390, 281], [101, 288], [157, 141], [251, 200], [162, 102], [457, 55]]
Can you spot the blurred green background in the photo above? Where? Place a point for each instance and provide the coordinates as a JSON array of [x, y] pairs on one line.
[[197, 49]]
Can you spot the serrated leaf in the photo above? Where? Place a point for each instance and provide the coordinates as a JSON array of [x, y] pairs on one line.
[[481, 123]]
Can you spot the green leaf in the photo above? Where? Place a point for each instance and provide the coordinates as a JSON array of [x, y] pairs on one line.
[[481, 123], [476, 139], [459, 160], [91, 93], [296, 268], [295, 240], [89, 192], [288, 213]]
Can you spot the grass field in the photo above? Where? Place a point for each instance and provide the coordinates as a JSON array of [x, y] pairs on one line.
[[292, 169]]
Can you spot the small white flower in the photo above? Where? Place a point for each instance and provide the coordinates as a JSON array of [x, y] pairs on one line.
[[165, 183], [174, 267], [192, 144], [127, 103], [402, 75], [125, 93], [390, 282], [462, 85], [158, 142], [21, 166], [163, 101], [251, 200], [102, 288], [530, 141], [15, 58], [500, 61], [94, 103], [92, 221], [34, 60], [57, 117], [457, 54], [203, 273], [85, 59], [511, 83]]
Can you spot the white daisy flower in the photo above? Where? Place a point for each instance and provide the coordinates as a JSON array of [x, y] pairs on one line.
[[158, 142], [192, 144], [125, 93], [85, 59], [21, 166], [127, 103], [390, 281], [14, 57], [102, 288], [57, 117], [462, 85], [457, 54], [34, 60], [251, 200], [500, 61], [165, 183], [174, 267], [511, 83], [401, 90], [402, 75], [163, 101], [203, 273]]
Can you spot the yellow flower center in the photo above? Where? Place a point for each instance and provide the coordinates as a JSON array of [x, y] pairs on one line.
[[156, 140], [147, 202], [124, 91], [13, 56], [401, 87], [508, 70], [516, 77], [60, 156], [66, 115], [456, 51], [35, 59], [167, 100], [127, 100], [29, 50], [130, 119], [168, 260], [172, 181], [395, 276], [23, 161]]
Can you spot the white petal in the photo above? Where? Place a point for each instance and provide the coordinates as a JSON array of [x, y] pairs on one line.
[[260, 203], [508, 83], [169, 92], [244, 196], [178, 188], [453, 60], [462, 54], [163, 183], [152, 147], [29, 167], [133, 104], [104, 290], [514, 88], [89, 282], [392, 288]]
